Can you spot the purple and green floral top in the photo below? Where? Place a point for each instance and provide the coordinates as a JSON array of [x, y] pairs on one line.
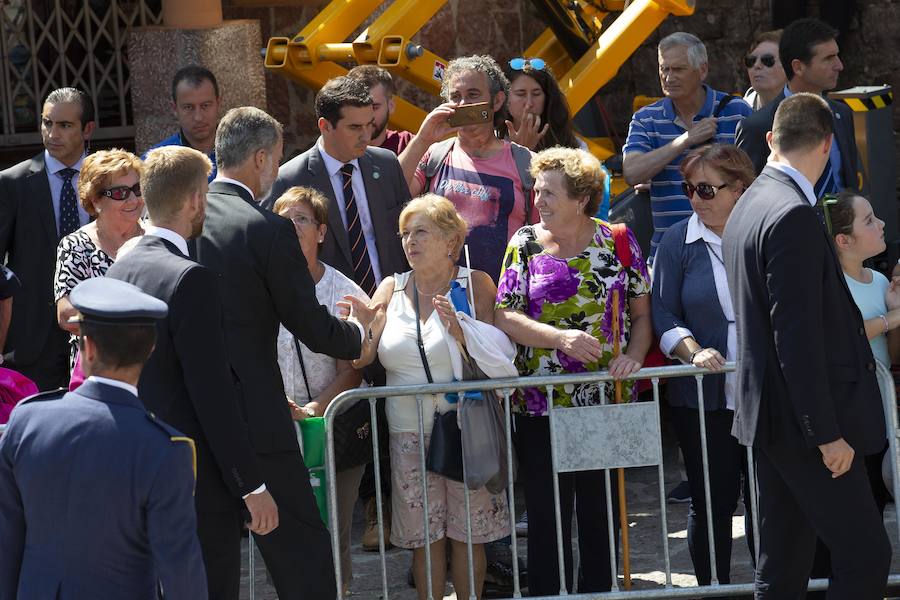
[[573, 293]]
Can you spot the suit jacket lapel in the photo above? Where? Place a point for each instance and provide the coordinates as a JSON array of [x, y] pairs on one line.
[[38, 189], [229, 189], [321, 181], [842, 139]]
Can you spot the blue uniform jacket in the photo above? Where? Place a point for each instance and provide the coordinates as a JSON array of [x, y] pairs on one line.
[[96, 501]]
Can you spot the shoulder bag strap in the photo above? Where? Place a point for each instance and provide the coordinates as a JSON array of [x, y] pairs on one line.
[[419, 341], [623, 248], [439, 152], [303, 369]]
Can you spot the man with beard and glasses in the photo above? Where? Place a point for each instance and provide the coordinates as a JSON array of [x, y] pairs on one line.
[[381, 88], [187, 381], [264, 280]]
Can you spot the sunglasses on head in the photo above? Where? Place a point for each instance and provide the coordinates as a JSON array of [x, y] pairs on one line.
[[121, 192], [520, 64], [704, 190], [767, 60]]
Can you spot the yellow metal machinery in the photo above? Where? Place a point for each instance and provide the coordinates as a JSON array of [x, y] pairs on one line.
[[583, 52]]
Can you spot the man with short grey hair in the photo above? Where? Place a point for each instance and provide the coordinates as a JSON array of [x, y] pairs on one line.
[[662, 133], [485, 177], [263, 282]]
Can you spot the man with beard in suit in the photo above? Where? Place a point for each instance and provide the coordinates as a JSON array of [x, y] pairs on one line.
[[263, 281], [38, 207], [808, 402], [187, 381]]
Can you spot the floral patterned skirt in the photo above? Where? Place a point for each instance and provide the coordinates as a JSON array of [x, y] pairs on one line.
[[446, 502]]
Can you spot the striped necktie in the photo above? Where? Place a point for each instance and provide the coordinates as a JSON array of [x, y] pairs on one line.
[[362, 265], [68, 204]]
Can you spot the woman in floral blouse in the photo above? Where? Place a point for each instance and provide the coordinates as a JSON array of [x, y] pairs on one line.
[[555, 301]]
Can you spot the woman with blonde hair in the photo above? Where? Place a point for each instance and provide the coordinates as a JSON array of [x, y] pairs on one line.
[[413, 348]]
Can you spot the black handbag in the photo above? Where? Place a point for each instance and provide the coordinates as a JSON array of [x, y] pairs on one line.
[[352, 428], [444, 455]]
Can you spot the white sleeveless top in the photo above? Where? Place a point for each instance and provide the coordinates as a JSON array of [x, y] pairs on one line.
[[399, 354]]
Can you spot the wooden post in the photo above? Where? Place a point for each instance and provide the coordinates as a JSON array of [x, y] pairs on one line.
[[623, 507]]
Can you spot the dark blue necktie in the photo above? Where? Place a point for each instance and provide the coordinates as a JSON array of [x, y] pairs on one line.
[[362, 264], [68, 204]]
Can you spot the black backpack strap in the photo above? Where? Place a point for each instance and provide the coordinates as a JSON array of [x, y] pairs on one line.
[[723, 102], [522, 158], [437, 154]]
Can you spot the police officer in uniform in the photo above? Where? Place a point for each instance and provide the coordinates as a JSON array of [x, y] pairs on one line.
[[96, 493]]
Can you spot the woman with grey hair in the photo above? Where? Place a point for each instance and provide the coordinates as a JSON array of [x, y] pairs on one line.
[[486, 178]]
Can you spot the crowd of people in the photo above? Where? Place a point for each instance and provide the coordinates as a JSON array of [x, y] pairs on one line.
[[199, 300]]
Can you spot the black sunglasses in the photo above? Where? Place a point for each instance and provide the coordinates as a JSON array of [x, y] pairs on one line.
[[767, 60], [706, 191], [519, 64], [121, 192]]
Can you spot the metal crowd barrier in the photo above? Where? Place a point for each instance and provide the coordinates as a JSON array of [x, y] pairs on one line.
[[609, 436]]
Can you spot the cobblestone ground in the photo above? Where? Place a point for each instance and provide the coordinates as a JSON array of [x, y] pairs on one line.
[[647, 563]]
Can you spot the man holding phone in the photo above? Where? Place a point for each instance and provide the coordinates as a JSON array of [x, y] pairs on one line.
[[485, 177]]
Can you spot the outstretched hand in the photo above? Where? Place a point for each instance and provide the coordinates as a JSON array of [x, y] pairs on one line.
[[371, 318]]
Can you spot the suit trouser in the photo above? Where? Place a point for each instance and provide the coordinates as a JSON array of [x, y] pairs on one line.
[[298, 553], [799, 500], [51, 368], [220, 542], [822, 564]]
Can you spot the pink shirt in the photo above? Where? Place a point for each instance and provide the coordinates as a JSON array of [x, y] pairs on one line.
[[487, 192]]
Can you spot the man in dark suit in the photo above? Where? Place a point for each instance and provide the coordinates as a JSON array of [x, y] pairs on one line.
[[364, 183], [95, 492], [363, 214], [38, 207], [807, 399], [809, 54], [187, 382], [263, 281]]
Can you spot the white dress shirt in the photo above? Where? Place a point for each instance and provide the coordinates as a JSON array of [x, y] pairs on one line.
[[53, 166], [798, 177], [697, 231], [333, 167], [169, 236]]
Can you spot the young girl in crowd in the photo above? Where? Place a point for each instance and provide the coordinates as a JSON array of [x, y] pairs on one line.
[[859, 235]]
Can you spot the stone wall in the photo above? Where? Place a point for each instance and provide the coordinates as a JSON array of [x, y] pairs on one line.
[[503, 28]]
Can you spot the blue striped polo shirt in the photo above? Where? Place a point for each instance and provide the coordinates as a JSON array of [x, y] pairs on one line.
[[653, 127]]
